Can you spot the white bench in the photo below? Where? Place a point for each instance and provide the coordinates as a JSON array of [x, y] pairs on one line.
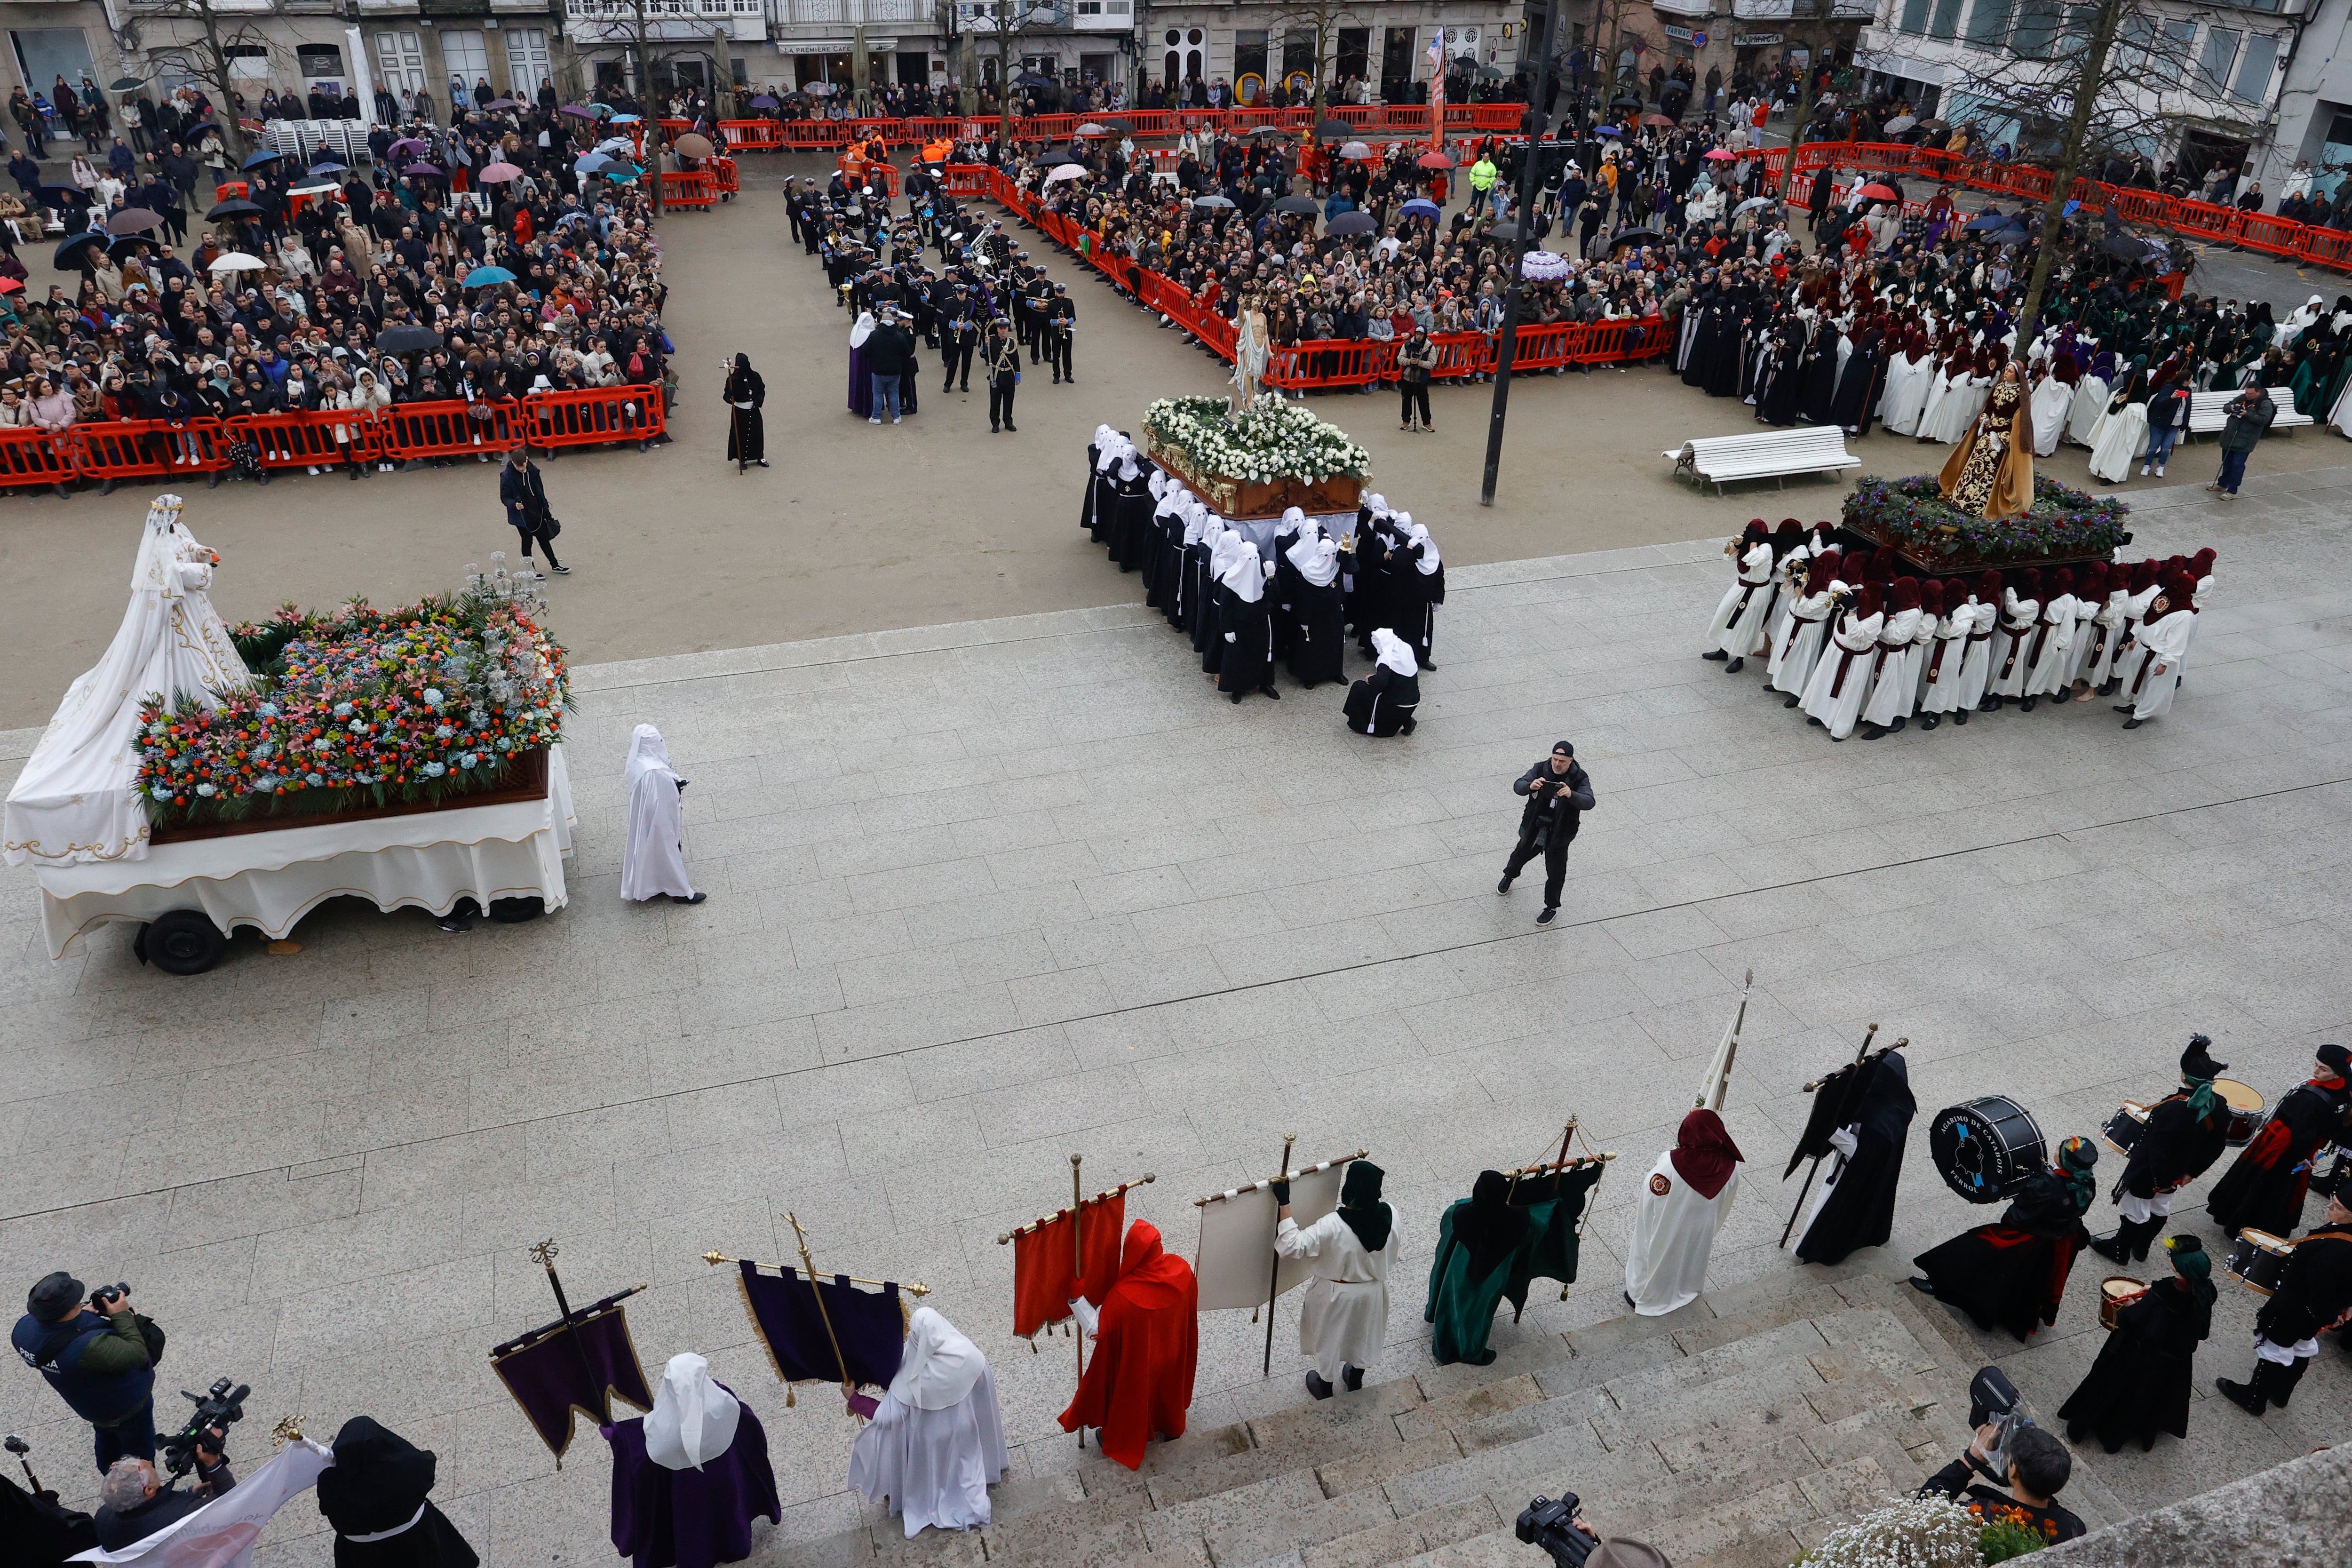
[[2205, 416], [1765, 455]]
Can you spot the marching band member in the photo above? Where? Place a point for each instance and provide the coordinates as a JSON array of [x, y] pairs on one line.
[[2264, 1189], [2140, 1383], [2313, 1294], [2185, 1133], [2013, 1273]]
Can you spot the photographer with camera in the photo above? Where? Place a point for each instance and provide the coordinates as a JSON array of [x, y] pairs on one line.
[[1557, 1525], [2030, 1463], [137, 1504], [100, 1357]]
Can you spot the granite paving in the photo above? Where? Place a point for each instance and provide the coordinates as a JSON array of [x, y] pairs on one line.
[[987, 894]]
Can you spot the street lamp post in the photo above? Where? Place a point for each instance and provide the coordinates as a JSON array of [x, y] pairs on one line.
[[1530, 180]]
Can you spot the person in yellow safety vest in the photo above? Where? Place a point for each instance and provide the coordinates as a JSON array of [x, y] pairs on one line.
[[1482, 182]]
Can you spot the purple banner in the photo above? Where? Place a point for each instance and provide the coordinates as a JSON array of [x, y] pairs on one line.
[[548, 1379], [868, 1325]]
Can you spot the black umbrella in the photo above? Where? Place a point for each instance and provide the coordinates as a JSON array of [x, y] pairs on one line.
[[125, 84], [2129, 247], [122, 245], [408, 340], [1121, 126], [1509, 231], [68, 256], [1296, 205], [61, 196], [1996, 218], [233, 207], [1633, 237], [1626, 101], [1331, 128], [1352, 222], [1225, 202]]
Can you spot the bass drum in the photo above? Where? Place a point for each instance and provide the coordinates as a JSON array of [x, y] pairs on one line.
[[1985, 1149]]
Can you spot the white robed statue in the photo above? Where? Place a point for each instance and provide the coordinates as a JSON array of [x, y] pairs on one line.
[[1682, 1206], [76, 802], [654, 864], [936, 1443], [1252, 345]]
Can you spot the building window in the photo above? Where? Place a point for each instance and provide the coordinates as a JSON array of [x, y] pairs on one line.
[[526, 60], [1355, 57], [1988, 23], [2214, 62], [399, 62], [1915, 17], [466, 57], [2252, 82], [1945, 21], [2037, 30]]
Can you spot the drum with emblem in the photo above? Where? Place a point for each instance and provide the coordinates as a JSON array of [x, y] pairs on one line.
[[2259, 1258], [1985, 1149]]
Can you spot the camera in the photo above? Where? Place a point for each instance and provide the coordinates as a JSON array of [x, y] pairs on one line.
[[106, 1296], [1993, 1398], [219, 1405], [1548, 1523]]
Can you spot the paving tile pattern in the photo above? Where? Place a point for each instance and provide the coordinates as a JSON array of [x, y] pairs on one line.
[[984, 895]]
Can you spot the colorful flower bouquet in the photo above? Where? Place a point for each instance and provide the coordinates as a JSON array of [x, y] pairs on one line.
[[1912, 516], [1274, 454], [357, 708]]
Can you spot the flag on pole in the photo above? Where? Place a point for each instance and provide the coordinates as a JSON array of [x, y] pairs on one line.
[[221, 1533], [1718, 1070], [1044, 1283], [1236, 1255]]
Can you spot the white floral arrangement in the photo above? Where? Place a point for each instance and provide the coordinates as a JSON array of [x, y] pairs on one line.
[[1270, 439], [1916, 1532]]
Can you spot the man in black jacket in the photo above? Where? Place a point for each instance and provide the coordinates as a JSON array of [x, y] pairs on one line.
[[2313, 1294], [523, 493], [136, 1507], [2039, 1465], [1557, 792], [890, 355]]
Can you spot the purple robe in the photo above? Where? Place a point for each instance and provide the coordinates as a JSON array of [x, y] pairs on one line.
[[690, 1519], [861, 385]]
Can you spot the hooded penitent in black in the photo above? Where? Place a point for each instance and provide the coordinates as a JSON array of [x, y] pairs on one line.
[[1860, 1210]]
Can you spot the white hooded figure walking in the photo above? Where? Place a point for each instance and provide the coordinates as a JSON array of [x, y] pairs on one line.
[[1682, 1206], [936, 1441], [653, 865]]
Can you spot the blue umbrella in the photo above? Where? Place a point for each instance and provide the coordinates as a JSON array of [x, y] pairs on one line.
[[1991, 220], [627, 119], [1607, 131], [482, 276], [261, 158], [329, 167], [1422, 206], [591, 164]]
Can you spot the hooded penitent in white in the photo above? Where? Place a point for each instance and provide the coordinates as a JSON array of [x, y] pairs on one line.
[[1392, 652], [937, 1440], [693, 1420], [655, 861]]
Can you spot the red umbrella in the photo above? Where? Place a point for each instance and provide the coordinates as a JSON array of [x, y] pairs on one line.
[[1721, 155], [1435, 161], [1878, 193]]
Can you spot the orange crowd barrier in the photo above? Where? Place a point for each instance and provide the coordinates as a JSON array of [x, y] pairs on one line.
[[688, 188], [595, 415], [141, 448], [723, 175], [29, 457], [445, 430], [306, 439]]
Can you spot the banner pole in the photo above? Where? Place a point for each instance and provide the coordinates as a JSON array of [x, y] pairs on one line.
[[543, 1254], [1815, 1169], [823, 1316], [1079, 1275], [1274, 1275]]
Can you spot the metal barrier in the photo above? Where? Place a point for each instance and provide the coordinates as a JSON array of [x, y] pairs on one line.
[[413, 430], [724, 177], [595, 416]]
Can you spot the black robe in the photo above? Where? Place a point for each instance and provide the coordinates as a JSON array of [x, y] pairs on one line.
[[44, 1532], [379, 1482], [1818, 389], [1860, 1210], [747, 435], [1195, 611], [1383, 702], [2315, 1291], [2264, 1190], [1087, 496], [1413, 598], [1858, 387], [2174, 1148], [1130, 526], [2139, 1385], [2013, 1275], [1245, 635], [1314, 628]]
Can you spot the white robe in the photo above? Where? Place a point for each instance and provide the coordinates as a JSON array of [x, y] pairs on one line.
[[2131, 655], [1344, 1318], [1674, 1231], [1957, 409], [2121, 438], [1976, 668], [1799, 647], [1898, 675], [935, 1465], [2090, 402], [1755, 571], [655, 859], [2053, 666], [2166, 642], [1940, 381], [2103, 637], [1942, 694], [2019, 618], [2052, 401], [1838, 712], [1905, 395]]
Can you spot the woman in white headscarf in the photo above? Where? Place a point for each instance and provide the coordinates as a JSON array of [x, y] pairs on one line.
[[1245, 623], [654, 864], [689, 1478], [936, 1442], [1314, 613], [1383, 703]]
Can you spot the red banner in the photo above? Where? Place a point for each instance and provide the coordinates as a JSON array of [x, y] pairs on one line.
[[1043, 1266]]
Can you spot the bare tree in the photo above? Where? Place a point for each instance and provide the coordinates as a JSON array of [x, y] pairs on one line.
[[1321, 21], [205, 41], [1009, 19], [2093, 82], [632, 25]]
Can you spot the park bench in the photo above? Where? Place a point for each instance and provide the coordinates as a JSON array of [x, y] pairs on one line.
[[2205, 416], [1764, 455]]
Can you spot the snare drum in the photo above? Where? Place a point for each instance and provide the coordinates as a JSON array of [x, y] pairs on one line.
[[2124, 1129], [2248, 1110], [2331, 1173], [1985, 1149], [2118, 1291], [2259, 1258]]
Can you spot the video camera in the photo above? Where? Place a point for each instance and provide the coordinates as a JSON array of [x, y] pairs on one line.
[[1993, 1398], [219, 1405], [1548, 1524]]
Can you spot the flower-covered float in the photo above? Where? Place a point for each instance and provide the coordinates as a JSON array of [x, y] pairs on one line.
[[1910, 515], [203, 778], [1271, 455]]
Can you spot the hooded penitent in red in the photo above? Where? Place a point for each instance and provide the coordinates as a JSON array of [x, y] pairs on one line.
[[1138, 1383]]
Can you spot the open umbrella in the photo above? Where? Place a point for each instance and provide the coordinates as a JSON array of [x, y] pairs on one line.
[[264, 156], [483, 276], [765, 100], [403, 144], [1720, 155], [591, 164], [132, 220], [1626, 101], [692, 146], [1356, 150], [1422, 206], [1876, 191], [1271, 131], [1751, 204], [1490, 73], [1986, 221], [234, 208], [1091, 129], [2011, 233], [1121, 126], [2129, 247], [1661, 120], [238, 261], [579, 111], [1335, 129], [1608, 131], [1352, 222], [1934, 125], [329, 167], [125, 84], [628, 119], [1543, 265], [122, 245], [69, 254], [1633, 237], [1900, 124], [1219, 202], [502, 103], [10, 286], [426, 170], [498, 173], [1066, 172], [1505, 231], [315, 188], [61, 196], [407, 339], [1435, 161], [1304, 204], [602, 109]]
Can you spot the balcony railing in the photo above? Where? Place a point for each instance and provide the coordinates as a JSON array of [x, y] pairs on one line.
[[850, 13]]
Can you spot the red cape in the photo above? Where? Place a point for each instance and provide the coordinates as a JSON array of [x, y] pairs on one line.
[[1139, 1382]]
